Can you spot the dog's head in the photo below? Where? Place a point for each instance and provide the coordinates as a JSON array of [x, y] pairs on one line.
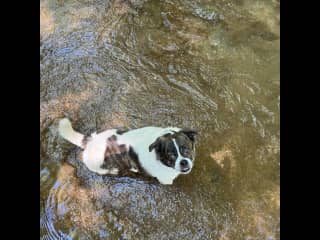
[[176, 150]]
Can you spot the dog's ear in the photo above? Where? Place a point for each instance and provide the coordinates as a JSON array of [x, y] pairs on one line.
[[191, 134], [160, 143], [155, 145]]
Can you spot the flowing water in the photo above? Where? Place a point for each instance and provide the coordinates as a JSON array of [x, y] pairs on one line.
[[207, 65]]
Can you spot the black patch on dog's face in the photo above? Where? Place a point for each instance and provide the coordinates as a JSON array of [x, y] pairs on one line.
[[166, 150]]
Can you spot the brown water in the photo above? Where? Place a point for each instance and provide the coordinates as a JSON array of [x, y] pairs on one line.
[[207, 65]]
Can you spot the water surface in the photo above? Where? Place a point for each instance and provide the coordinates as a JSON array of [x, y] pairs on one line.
[[207, 65]]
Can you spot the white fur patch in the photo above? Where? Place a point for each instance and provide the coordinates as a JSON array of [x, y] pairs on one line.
[[179, 158]]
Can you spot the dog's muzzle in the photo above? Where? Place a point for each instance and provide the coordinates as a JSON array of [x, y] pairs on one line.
[[185, 166]]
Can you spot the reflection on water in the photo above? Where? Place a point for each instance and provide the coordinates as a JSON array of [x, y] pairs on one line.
[[208, 65]]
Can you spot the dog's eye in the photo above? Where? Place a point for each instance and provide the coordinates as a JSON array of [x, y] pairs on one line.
[[184, 150], [172, 156]]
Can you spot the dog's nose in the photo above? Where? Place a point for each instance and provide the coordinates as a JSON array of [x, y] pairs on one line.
[[184, 163]]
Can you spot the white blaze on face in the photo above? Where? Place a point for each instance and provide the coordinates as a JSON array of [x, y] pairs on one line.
[[180, 158]]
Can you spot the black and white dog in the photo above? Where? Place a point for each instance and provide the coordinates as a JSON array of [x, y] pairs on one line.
[[163, 153]]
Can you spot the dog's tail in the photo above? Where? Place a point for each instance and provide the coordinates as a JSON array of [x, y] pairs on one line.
[[67, 132]]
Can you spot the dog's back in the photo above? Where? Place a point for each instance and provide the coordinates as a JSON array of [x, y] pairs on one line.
[[105, 153]]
